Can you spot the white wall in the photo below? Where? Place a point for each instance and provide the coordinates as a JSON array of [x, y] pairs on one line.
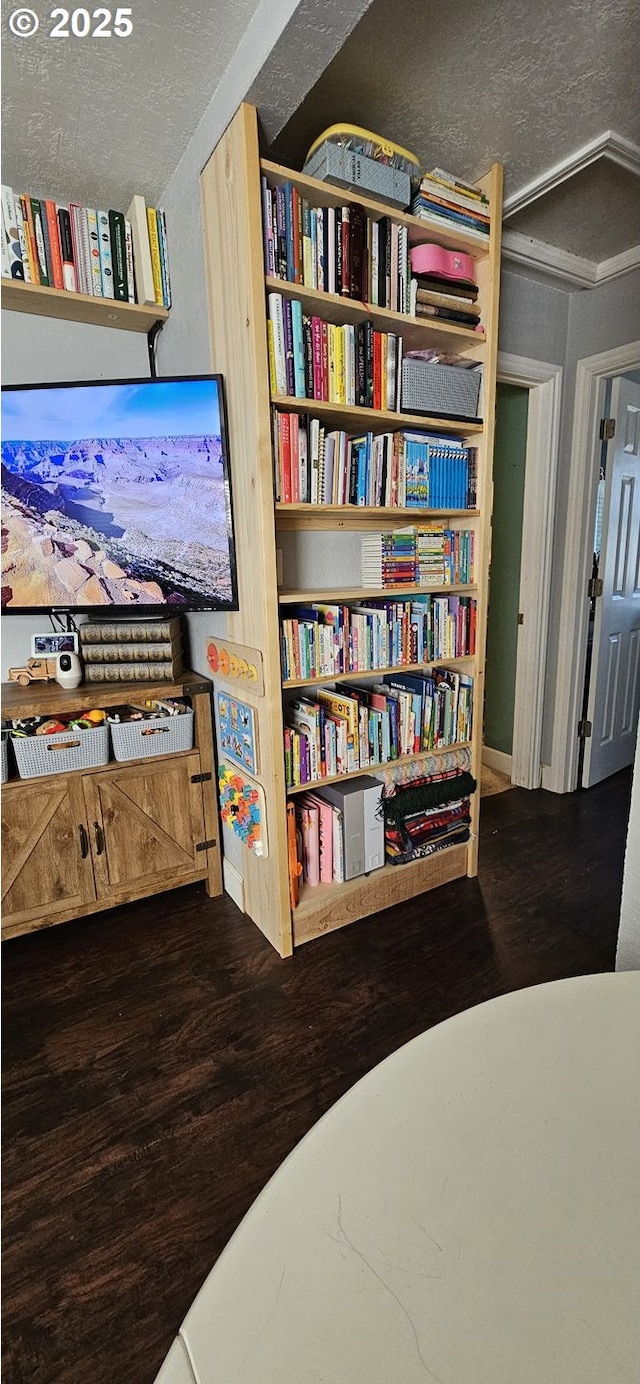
[[628, 956], [43, 350]]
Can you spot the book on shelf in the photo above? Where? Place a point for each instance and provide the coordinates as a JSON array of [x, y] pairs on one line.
[[144, 652], [158, 671], [130, 631], [137, 217], [82, 249]]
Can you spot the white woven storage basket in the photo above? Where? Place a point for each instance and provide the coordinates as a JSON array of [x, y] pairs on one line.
[[58, 754], [159, 735], [439, 389]]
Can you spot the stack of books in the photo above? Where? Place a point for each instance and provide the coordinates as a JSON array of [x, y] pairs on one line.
[[131, 651], [444, 200], [84, 250], [447, 300], [430, 556]]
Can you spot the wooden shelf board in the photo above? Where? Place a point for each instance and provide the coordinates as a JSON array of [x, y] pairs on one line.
[[327, 195], [18, 296], [326, 907], [416, 331], [377, 420], [341, 594], [45, 698], [375, 768], [376, 672], [307, 516]]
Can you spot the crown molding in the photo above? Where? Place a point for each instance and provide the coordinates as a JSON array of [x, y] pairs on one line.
[[618, 264], [574, 271], [607, 146]]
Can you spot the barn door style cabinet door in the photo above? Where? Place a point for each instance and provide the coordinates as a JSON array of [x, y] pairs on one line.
[[145, 824], [46, 870], [78, 842]]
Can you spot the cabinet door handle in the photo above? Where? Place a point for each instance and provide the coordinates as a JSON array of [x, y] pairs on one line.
[[84, 841], [99, 838]]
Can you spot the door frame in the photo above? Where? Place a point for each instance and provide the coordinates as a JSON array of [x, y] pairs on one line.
[[592, 372], [544, 383]]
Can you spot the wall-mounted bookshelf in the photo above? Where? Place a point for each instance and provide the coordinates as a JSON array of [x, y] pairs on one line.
[[17, 296]]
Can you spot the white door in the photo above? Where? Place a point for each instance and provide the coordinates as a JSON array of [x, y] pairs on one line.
[[614, 688]]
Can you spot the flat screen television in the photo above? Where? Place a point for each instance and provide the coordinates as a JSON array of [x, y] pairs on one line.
[[117, 494]]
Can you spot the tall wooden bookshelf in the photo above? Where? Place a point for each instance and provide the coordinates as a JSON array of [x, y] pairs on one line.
[[237, 288]]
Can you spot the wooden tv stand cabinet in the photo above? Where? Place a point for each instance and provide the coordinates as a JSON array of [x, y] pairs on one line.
[[75, 843]]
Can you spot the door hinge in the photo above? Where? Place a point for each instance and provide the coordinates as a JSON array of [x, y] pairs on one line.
[[594, 587], [584, 729], [201, 778], [520, 618], [607, 429], [206, 845]]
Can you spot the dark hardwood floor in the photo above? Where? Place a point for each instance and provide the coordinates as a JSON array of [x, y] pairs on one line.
[[161, 1060]]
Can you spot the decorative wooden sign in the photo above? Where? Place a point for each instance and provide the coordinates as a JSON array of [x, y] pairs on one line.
[[238, 732], [242, 808], [236, 663]]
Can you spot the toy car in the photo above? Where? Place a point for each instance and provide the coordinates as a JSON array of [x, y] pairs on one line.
[[35, 670]]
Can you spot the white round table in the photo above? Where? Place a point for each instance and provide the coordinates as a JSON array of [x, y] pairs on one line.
[[468, 1213]]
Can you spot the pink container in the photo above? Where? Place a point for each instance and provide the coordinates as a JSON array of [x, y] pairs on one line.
[[445, 264]]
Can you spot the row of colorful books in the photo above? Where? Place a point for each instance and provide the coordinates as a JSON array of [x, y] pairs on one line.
[[323, 639], [430, 556], [415, 470], [445, 200], [314, 359], [84, 250], [335, 249], [333, 732]]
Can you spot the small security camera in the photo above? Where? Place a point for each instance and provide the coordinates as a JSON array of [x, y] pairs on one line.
[[69, 670]]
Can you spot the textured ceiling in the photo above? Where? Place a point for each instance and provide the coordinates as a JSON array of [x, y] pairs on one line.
[[595, 214], [473, 81], [526, 82], [96, 119]]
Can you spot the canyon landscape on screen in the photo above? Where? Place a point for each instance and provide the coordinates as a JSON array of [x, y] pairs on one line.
[[114, 495]]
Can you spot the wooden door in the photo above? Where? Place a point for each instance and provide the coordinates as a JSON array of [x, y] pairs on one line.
[[46, 867], [146, 822]]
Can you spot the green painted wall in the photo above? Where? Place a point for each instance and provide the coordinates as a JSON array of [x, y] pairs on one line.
[[512, 405]]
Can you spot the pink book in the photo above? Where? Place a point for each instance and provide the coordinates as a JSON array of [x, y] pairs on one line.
[[326, 837], [310, 825], [316, 344]]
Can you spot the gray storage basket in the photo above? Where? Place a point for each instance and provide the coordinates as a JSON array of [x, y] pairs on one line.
[[5, 757], [332, 163], [158, 735], [439, 389], [58, 754]]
